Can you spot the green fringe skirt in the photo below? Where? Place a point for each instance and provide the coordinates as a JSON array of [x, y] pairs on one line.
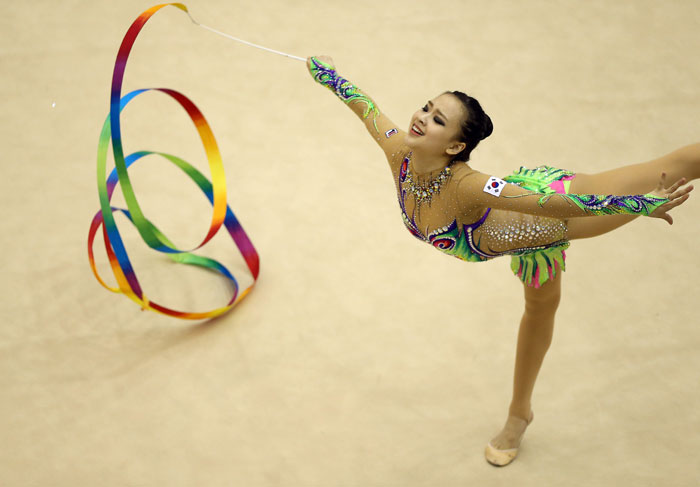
[[535, 267]]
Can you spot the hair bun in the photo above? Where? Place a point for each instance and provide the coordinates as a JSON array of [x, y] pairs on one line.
[[475, 125], [486, 127]]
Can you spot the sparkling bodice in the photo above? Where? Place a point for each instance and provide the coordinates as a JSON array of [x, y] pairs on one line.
[[496, 233]]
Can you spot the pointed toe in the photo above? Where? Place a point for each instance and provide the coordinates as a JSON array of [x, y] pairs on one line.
[[498, 457]]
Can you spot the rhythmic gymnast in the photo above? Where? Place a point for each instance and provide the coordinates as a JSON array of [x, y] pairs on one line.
[[531, 214]]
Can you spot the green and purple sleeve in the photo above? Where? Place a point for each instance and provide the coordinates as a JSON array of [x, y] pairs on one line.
[[595, 204], [350, 94]]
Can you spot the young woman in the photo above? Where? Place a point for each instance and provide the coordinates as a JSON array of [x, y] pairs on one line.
[[530, 215]]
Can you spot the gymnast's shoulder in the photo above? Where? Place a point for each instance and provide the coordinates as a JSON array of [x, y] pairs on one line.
[[475, 189]]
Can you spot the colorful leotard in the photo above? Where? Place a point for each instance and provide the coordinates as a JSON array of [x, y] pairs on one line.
[[536, 243], [533, 264]]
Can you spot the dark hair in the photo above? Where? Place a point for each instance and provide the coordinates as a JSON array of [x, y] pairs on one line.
[[476, 126]]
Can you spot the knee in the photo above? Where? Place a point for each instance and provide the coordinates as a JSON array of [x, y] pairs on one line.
[[541, 310], [543, 302]]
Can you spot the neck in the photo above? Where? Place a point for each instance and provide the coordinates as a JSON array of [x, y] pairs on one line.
[[424, 167]]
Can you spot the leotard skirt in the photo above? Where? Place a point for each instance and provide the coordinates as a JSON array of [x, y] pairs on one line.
[[535, 267]]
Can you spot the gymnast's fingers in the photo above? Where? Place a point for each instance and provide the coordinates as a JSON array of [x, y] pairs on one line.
[[676, 185], [328, 60], [662, 211], [681, 192], [679, 200], [672, 204], [680, 196]]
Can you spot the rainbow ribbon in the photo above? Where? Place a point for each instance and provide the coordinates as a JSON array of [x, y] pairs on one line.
[[215, 192]]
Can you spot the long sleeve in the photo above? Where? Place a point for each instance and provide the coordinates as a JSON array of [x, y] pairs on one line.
[[474, 191], [350, 94], [594, 204]]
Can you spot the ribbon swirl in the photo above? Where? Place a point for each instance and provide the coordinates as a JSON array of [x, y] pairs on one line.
[[215, 192]]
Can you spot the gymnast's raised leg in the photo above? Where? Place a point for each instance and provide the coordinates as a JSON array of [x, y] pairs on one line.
[[632, 179]]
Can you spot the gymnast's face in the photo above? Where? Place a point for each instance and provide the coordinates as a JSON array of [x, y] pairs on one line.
[[435, 129]]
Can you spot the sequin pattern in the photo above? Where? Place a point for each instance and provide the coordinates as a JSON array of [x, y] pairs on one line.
[[524, 230]]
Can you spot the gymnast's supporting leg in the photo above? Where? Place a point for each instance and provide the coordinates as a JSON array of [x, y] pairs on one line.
[[537, 324], [534, 338]]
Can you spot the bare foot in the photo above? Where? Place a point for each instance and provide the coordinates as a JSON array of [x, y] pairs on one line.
[[512, 433]]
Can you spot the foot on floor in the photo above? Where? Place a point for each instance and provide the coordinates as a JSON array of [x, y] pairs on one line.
[[503, 448]]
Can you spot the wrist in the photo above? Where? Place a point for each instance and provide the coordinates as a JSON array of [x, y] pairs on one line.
[[652, 203]]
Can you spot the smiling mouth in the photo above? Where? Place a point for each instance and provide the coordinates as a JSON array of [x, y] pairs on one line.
[[416, 131]]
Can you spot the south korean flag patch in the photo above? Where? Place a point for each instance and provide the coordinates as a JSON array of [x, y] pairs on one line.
[[494, 186]]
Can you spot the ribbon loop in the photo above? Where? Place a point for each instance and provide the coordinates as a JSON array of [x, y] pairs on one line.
[[214, 190]]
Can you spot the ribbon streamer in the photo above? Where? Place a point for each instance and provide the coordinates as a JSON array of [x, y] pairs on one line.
[[215, 192]]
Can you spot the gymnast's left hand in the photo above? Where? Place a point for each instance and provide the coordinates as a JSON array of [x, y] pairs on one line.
[[675, 195]]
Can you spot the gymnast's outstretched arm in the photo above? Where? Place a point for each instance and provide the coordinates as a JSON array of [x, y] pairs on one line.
[[478, 190], [382, 130]]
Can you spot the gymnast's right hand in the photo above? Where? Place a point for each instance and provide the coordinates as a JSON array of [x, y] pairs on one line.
[[676, 197], [327, 60]]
